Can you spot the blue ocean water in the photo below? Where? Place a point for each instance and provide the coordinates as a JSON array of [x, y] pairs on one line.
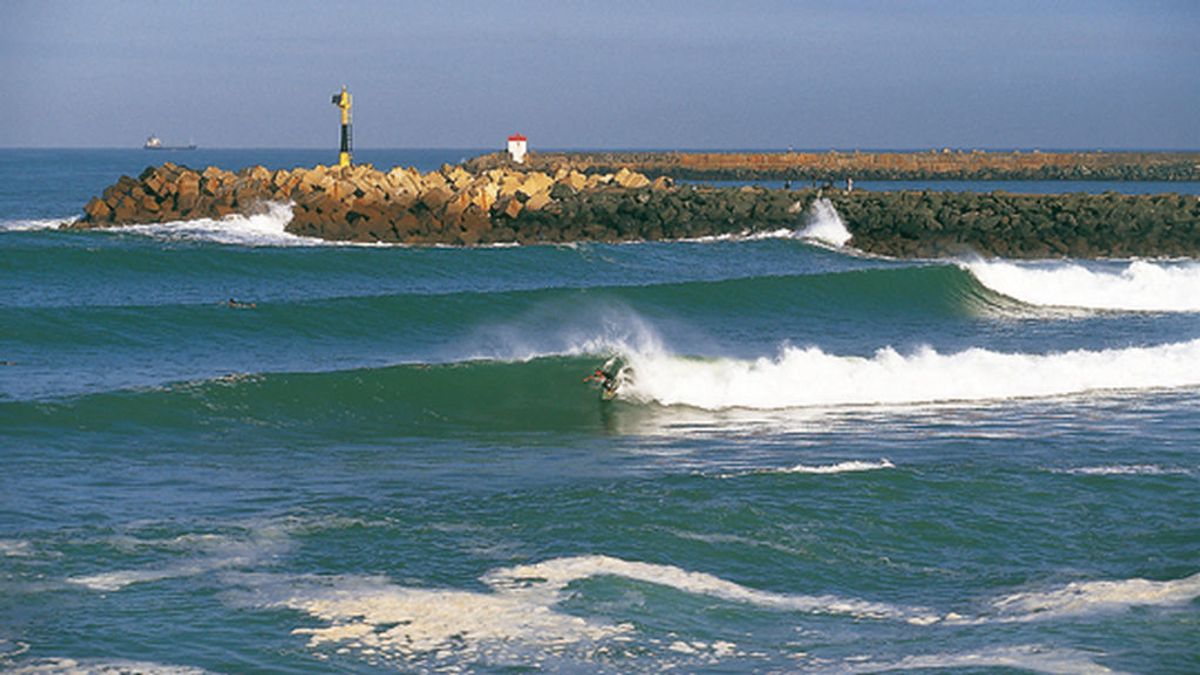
[[387, 459]]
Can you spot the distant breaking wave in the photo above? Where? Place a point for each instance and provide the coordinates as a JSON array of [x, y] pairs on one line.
[[1139, 286], [823, 224], [264, 229], [29, 225]]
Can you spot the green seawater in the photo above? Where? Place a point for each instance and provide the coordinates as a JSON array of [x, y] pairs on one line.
[[822, 461]]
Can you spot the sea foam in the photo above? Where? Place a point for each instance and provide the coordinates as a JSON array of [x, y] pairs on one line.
[[1087, 597], [516, 620], [28, 225], [262, 229], [810, 377], [823, 224], [1035, 658], [1126, 470], [1137, 286], [65, 666], [851, 466]]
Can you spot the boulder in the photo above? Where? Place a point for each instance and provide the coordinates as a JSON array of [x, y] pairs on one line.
[[97, 210], [435, 198], [575, 180], [535, 183], [537, 202], [628, 179], [513, 208]]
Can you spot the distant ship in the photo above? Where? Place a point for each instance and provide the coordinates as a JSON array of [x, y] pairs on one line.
[[155, 143]]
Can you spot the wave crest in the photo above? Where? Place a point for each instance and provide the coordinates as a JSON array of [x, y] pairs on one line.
[[810, 377], [1140, 285]]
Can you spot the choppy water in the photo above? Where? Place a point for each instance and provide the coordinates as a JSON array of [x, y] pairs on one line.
[[825, 462]]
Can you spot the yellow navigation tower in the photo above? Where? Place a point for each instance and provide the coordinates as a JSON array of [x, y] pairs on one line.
[[342, 101]]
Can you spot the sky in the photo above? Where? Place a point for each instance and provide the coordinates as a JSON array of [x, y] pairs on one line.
[[611, 74]]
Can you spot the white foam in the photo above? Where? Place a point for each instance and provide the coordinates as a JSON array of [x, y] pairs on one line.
[[1034, 658], [1088, 597], [1137, 286], [744, 235], [824, 224], [808, 377], [210, 553], [28, 225], [516, 619], [117, 580], [840, 467], [1126, 470], [15, 548], [374, 616], [852, 466], [263, 229], [558, 573], [65, 666]]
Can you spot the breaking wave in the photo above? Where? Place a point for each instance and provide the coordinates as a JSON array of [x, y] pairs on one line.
[[1140, 285], [824, 224], [263, 229], [544, 392], [806, 377]]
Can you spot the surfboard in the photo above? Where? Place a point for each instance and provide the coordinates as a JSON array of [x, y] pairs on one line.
[[622, 376]]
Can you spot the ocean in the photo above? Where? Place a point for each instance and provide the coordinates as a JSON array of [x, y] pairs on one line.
[[386, 459]]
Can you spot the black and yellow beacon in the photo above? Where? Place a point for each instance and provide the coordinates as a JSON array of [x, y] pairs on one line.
[[342, 101]]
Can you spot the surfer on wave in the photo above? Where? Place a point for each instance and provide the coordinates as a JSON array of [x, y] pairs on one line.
[[610, 376]]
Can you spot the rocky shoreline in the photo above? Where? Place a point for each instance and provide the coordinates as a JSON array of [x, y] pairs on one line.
[[833, 165], [458, 206]]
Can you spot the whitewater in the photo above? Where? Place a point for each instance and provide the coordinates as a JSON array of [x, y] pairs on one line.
[[386, 458]]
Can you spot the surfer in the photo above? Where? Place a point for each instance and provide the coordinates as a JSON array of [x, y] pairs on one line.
[[608, 381], [238, 304], [610, 377]]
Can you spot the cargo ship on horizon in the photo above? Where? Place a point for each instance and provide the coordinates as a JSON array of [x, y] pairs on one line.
[[155, 143]]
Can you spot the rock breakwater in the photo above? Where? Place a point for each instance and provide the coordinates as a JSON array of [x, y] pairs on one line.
[[834, 165], [360, 203], [500, 205]]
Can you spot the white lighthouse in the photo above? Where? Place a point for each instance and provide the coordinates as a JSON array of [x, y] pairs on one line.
[[516, 148]]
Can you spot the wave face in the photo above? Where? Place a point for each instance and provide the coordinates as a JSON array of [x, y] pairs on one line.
[[545, 393], [1136, 286]]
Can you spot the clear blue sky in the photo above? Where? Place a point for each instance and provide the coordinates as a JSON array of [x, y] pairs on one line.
[[604, 74]]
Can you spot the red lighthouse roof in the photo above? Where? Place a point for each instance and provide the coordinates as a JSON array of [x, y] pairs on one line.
[[517, 137]]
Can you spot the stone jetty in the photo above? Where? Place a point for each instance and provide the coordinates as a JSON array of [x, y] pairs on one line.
[[504, 204], [360, 203], [834, 165]]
